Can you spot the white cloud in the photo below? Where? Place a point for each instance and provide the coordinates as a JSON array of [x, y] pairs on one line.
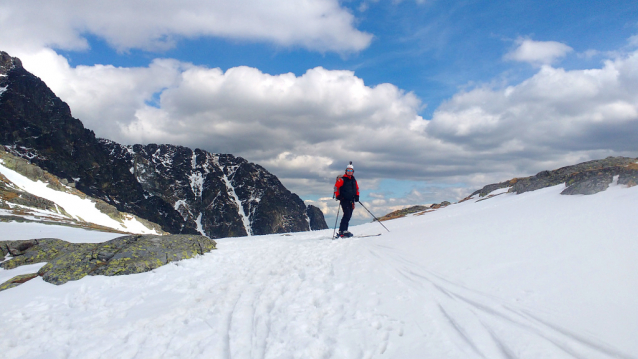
[[555, 110], [538, 52], [103, 96], [321, 25]]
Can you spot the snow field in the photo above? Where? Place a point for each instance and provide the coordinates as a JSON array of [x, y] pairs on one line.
[[14, 231], [536, 275]]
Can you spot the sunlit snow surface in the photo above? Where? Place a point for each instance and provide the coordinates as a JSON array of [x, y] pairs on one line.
[[536, 275], [14, 231]]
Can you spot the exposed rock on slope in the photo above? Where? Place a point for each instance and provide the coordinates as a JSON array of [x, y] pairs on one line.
[[584, 178], [196, 192], [316, 218], [119, 256], [416, 210]]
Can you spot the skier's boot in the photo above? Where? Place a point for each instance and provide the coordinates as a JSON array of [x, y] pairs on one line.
[[346, 234]]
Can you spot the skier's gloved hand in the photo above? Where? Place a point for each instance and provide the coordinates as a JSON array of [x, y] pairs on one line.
[[356, 198]]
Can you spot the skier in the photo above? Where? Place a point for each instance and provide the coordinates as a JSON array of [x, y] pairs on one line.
[[347, 193]]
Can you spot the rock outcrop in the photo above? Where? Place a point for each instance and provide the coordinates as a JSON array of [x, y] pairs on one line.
[[417, 210], [316, 218], [119, 256]]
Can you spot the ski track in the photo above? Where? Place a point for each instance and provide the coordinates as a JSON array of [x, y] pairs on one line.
[[293, 305], [487, 324]]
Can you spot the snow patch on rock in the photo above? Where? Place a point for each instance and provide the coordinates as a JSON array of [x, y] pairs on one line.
[[200, 228], [231, 191]]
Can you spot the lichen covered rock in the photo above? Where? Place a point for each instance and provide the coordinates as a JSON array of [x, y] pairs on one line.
[[119, 256], [17, 280], [36, 251]]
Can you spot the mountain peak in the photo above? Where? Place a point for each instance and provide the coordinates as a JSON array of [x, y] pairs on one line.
[[8, 63]]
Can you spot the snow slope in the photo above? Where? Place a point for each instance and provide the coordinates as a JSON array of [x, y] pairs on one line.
[[536, 275], [80, 209]]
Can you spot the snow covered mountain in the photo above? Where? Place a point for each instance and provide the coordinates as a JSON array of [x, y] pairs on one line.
[[504, 275], [182, 197], [29, 194]]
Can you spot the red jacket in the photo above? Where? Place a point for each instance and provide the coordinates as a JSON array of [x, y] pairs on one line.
[[349, 191]]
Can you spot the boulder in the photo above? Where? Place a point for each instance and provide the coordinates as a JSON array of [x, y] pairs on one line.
[[119, 256]]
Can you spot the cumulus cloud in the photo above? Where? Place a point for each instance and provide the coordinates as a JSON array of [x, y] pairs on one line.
[[555, 110], [305, 128], [538, 52], [321, 25]]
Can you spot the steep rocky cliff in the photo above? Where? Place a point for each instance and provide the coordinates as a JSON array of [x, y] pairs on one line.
[[199, 192], [220, 195]]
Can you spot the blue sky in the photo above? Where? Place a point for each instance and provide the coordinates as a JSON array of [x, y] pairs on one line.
[[430, 48], [430, 99]]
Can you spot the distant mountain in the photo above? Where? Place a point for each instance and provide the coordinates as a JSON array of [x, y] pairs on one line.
[[182, 190]]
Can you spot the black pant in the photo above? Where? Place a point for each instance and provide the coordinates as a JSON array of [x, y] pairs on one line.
[[348, 207]]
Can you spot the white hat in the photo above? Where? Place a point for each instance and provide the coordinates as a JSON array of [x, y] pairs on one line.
[[350, 166]]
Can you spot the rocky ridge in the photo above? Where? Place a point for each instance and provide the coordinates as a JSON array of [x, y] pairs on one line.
[[584, 178], [38, 126]]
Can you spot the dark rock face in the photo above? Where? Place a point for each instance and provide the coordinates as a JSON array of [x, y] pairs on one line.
[[182, 190], [584, 178], [316, 218], [219, 195], [119, 256]]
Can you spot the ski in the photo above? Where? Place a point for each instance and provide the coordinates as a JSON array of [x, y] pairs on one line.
[[367, 235], [360, 236]]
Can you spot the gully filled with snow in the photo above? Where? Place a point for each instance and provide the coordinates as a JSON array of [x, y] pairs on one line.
[[514, 276]]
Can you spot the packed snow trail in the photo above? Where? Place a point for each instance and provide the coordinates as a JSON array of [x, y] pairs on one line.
[[537, 275]]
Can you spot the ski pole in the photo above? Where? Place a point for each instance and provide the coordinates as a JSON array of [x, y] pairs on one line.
[[375, 218], [336, 219]]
